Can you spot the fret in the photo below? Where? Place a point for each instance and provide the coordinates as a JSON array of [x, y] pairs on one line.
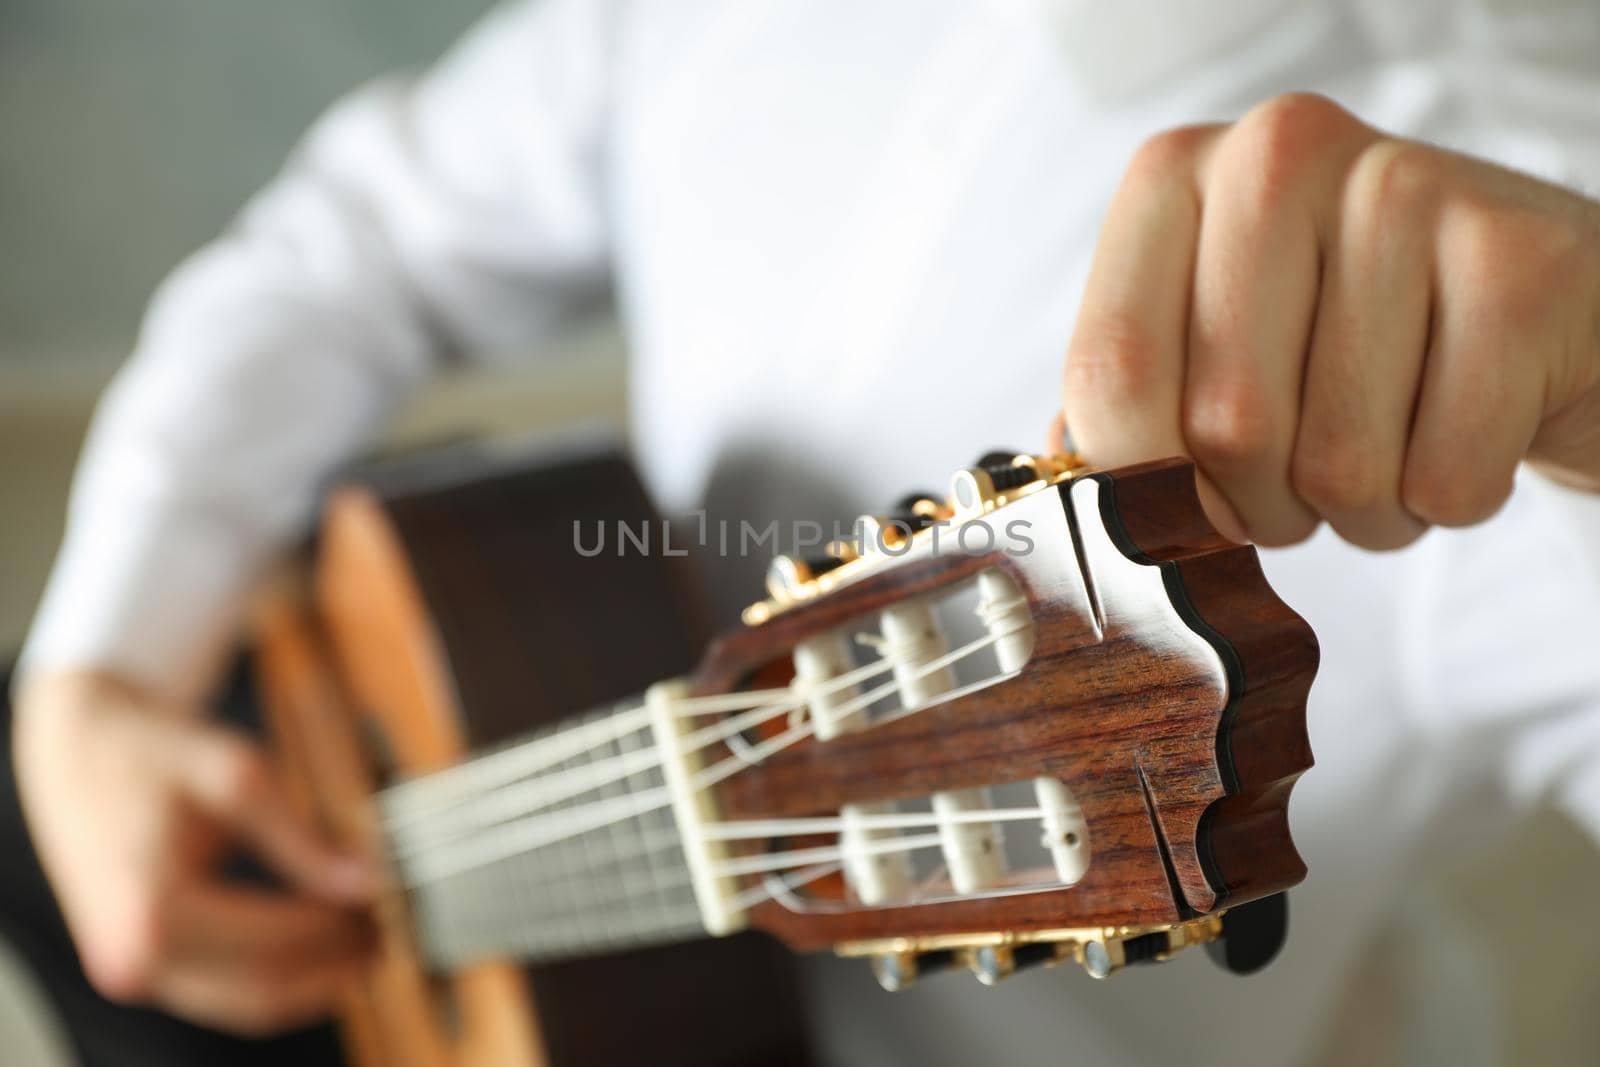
[[622, 838], [604, 883], [648, 833]]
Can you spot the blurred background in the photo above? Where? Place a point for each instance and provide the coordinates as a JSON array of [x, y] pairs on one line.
[[133, 132], [129, 135]]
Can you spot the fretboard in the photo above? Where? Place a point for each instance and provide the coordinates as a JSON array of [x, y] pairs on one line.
[[560, 844]]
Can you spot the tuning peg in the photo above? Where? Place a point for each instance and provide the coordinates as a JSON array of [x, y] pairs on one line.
[[999, 457], [991, 964], [1252, 934], [974, 487], [918, 510], [897, 970], [1102, 959], [877, 534], [787, 575]]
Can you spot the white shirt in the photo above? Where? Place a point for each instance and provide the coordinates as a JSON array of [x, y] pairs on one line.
[[847, 242]]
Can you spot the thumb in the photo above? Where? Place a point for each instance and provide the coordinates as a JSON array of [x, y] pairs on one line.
[[231, 780]]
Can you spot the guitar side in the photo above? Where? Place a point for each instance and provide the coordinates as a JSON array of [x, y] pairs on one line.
[[314, 699]]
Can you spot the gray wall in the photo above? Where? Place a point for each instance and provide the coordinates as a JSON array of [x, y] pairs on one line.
[[130, 131]]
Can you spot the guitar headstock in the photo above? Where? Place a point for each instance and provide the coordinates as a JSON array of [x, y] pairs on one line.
[[1051, 715]]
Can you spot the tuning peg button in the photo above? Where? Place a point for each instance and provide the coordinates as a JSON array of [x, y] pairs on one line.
[[975, 487], [991, 964], [1102, 959], [1252, 934], [897, 970]]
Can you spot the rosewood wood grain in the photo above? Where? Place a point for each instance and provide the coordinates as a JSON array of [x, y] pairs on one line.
[[1166, 689]]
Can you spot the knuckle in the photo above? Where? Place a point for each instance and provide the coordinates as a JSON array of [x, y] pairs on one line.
[[1396, 180], [1525, 262], [1230, 427], [1168, 153], [1113, 359], [1445, 494], [1283, 133], [1339, 480], [1565, 260]]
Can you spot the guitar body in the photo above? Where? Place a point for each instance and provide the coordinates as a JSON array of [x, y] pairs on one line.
[[447, 611]]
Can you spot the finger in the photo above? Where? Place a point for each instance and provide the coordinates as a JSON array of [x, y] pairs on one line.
[[1255, 299], [255, 961], [1124, 375], [1057, 441], [239, 927], [255, 1002], [233, 782], [1367, 353], [1477, 413]]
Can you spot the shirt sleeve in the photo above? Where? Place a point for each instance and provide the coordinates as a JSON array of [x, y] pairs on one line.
[[422, 220]]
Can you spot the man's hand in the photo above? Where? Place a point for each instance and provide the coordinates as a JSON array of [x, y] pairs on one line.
[[132, 806], [1339, 325]]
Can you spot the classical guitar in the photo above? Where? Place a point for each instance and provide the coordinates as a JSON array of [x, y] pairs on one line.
[[1051, 716]]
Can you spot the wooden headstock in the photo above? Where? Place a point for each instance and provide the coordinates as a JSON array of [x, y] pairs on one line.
[[1161, 682]]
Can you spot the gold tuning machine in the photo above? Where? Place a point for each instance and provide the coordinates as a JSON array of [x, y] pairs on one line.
[[995, 480], [998, 477], [992, 957]]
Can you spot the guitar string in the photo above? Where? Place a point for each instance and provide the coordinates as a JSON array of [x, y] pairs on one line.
[[517, 758], [768, 862], [739, 830], [748, 829], [810, 865], [548, 932], [402, 802], [775, 885], [468, 781], [744, 829], [529, 755], [537, 830], [712, 735], [522, 797]]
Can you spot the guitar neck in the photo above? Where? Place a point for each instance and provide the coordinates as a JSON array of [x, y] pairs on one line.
[[561, 844]]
